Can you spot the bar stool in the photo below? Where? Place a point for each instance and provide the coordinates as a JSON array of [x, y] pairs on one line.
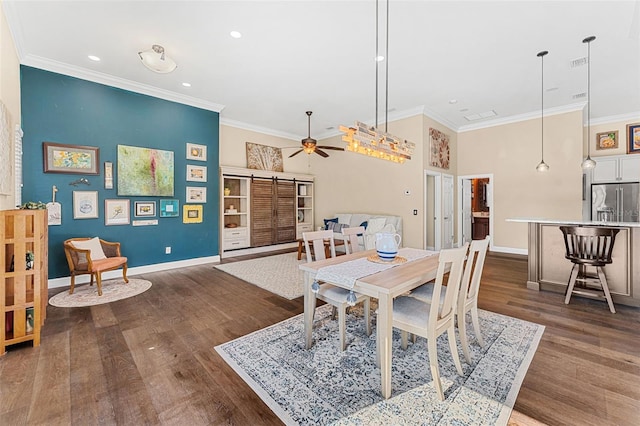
[[589, 246]]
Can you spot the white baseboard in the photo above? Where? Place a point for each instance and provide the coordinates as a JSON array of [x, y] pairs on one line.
[[509, 250], [156, 267]]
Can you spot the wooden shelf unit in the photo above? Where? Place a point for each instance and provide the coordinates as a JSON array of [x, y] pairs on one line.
[[23, 288]]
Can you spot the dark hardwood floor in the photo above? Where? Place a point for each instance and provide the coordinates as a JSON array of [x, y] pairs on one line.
[[150, 359]]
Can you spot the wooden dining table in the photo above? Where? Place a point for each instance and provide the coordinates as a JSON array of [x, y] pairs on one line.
[[384, 286]]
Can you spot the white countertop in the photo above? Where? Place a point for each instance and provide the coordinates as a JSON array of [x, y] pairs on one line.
[[576, 222]]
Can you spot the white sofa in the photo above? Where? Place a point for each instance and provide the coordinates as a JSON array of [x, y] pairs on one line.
[[375, 223]]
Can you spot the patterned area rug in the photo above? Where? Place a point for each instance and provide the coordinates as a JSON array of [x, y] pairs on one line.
[[278, 274], [112, 290], [325, 386]]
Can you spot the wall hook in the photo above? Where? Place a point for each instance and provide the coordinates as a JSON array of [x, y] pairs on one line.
[[84, 181]]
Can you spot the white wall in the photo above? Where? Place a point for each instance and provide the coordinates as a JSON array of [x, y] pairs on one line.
[[10, 97]]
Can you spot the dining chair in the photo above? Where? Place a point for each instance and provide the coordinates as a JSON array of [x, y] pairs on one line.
[[351, 240], [329, 293], [467, 295], [411, 315]]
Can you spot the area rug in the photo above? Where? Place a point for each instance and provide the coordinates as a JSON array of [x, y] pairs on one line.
[[325, 386], [112, 290], [278, 274]]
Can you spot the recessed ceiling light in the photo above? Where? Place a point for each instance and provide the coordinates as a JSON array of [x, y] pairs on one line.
[[94, 58], [235, 34], [186, 84], [379, 58], [453, 101]]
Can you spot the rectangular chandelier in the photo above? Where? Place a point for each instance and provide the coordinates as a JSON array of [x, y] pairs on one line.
[[370, 141]]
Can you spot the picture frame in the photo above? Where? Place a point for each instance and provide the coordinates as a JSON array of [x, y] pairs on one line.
[[116, 212], [145, 172], [70, 159], [264, 157], [85, 205], [196, 194], [196, 173], [196, 152], [192, 214], [108, 175], [169, 208], [633, 138], [607, 140], [144, 208]]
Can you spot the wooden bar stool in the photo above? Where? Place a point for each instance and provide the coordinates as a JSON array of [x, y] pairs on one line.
[[589, 246]]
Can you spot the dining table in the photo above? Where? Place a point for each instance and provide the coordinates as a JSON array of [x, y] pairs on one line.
[[384, 286]]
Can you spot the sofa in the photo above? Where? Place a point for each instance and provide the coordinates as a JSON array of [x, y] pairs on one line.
[[373, 223]]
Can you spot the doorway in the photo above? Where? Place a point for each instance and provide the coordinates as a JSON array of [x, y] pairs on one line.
[[432, 209], [476, 213]]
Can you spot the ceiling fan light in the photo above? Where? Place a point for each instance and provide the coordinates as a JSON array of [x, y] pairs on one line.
[[156, 60]]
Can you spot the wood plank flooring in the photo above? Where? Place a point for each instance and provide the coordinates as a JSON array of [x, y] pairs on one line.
[[150, 359]]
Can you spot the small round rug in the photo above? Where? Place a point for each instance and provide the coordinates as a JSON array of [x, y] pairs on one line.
[[112, 290]]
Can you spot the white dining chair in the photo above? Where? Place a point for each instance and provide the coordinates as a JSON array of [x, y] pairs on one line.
[[329, 293], [411, 315], [351, 240], [467, 296]]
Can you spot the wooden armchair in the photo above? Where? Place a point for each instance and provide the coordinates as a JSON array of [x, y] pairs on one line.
[[93, 256]]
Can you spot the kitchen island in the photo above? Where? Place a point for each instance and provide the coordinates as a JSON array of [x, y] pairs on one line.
[[549, 270]]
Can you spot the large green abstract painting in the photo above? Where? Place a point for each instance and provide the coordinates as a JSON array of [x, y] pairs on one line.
[[145, 171]]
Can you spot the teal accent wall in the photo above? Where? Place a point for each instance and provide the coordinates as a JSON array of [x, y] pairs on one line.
[[63, 109]]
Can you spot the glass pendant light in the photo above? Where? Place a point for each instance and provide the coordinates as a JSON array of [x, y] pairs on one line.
[[588, 163], [542, 167]]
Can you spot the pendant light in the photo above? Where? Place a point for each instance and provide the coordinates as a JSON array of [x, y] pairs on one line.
[[542, 167], [588, 163]]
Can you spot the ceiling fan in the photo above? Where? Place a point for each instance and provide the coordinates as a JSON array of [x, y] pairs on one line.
[[309, 145]]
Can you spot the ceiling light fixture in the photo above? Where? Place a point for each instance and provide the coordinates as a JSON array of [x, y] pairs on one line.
[[371, 141], [185, 84], [542, 167], [94, 58], [235, 34], [588, 163], [156, 60]]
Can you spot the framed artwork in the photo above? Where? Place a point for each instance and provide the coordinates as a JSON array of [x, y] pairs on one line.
[[191, 214], [75, 159], [108, 175], [144, 208], [263, 157], [196, 152], [633, 138], [85, 204], [196, 173], [607, 140], [145, 172], [169, 208], [438, 149], [116, 212], [196, 194]]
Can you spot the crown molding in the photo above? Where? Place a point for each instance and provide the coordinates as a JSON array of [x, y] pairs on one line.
[[523, 117], [448, 123], [101, 78], [259, 129]]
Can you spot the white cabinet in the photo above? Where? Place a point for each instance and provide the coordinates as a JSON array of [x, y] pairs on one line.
[[235, 212], [624, 168], [304, 208]]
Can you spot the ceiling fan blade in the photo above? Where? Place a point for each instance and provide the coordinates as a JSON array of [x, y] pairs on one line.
[[296, 153], [331, 147], [321, 153]]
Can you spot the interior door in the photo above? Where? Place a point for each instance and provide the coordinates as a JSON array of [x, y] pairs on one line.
[[447, 211], [467, 214]]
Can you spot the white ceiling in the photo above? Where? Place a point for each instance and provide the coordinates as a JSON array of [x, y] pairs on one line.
[[318, 55]]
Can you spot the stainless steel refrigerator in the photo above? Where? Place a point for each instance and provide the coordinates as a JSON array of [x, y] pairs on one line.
[[615, 202]]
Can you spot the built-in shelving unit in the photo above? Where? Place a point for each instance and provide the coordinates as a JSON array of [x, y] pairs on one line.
[[23, 276], [304, 208], [235, 212]]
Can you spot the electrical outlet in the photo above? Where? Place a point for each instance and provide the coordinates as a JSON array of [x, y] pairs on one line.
[[415, 212], [167, 250]]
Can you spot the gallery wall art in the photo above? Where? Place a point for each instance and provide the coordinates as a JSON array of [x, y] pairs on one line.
[[263, 157], [145, 171], [439, 149]]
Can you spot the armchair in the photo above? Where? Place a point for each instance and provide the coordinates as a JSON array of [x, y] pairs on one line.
[[93, 256]]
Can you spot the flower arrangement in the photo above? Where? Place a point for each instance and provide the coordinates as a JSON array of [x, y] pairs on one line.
[[33, 205]]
